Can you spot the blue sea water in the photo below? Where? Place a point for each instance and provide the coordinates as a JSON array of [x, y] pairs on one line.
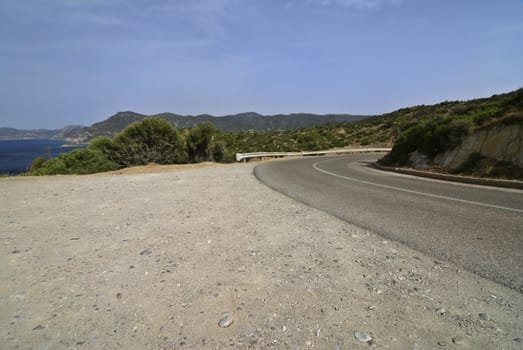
[[16, 156]]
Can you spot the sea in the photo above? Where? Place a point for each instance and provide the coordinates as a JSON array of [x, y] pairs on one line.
[[16, 156]]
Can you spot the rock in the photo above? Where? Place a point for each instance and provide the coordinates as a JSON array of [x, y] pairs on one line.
[[484, 316], [517, 340], [458, 340], [442, 343], [441, 311], [225, 322], [362, 336], [38, 327], [419, 160], [146, 252]]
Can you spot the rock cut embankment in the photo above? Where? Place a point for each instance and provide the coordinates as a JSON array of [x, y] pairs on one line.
[[501, 143]]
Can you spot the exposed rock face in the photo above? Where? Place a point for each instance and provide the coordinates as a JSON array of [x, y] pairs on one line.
[[503, 143], [419, 160]]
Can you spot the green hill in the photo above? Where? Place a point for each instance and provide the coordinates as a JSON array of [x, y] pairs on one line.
[[429, 130], [230, 123]]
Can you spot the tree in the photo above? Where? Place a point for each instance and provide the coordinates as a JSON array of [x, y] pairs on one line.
[[199, 142]]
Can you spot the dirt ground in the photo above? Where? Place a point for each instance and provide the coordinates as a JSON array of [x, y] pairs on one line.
[[209, 258]]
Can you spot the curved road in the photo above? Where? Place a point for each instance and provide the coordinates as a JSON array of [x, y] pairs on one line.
[[477, 228]]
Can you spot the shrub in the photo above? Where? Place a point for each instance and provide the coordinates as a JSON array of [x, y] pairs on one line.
[[37, 163], [80, 161], [152, 140]]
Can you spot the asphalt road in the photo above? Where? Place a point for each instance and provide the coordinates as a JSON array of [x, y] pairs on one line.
[[476, 228]]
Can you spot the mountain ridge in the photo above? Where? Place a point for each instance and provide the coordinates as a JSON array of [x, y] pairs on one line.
[[239, 122], [7, 133]]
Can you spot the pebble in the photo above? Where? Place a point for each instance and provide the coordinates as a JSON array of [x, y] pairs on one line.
[[441, 311], [442, 343], [225, 322], [362, 336], [517, 340], [458, 339], [484, 316], [146, 252]]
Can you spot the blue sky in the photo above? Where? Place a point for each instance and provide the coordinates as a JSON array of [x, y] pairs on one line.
[[79, 61]]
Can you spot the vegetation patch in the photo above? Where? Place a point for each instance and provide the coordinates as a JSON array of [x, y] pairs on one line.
[[427, 129], [434, 129]]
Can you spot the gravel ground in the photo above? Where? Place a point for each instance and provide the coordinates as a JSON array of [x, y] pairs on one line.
[[209, 258]]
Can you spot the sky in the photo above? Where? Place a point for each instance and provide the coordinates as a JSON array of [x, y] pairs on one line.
[[77, 62]]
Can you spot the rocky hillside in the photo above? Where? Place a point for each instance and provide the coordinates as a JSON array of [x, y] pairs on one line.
[[482, 137], [230, 123], [11, 134]]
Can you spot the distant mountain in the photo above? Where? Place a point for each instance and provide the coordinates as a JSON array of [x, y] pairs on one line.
[[229, 123], [58, 134]]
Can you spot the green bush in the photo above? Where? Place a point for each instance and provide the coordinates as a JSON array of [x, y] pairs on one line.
[[199, 142], [80, 161], [152, 140], [428, 137], [37, 163]]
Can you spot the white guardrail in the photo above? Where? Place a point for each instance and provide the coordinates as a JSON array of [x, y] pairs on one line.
[[244, 156]]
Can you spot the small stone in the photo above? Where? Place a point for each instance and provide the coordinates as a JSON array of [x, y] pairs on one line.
[[484, 316], [118, 295], [15, 251], [442, 343], [458, 339], [371, 307], [362, 336], [225, 322], [146, 252], [517, 340], [441, 311], [38, 327]]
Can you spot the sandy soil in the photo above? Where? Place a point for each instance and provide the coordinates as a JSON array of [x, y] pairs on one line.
[[156, 260]]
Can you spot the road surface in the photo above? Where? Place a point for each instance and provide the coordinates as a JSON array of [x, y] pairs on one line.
[[472, 227]]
